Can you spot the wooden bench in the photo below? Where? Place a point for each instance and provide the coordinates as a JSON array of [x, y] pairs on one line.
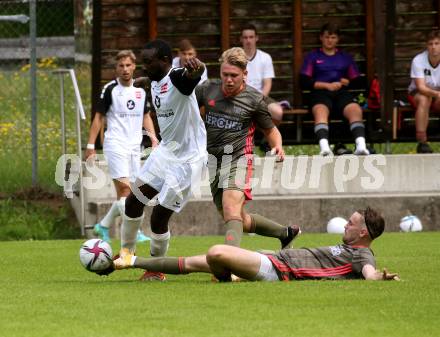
[[406, 115], [371, 118]]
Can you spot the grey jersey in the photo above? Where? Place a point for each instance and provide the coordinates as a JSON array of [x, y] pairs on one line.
[[331, 262], [231, 121]]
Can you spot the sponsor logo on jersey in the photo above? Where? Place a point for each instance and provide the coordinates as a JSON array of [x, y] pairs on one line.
[[138, 94], [427, 72], [223, 122], [157, 101], [164, 88], [130, 104], [211, 102], [165, 113], [335, 250], [319, 61]]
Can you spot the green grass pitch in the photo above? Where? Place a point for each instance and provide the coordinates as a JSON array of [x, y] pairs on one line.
[[45, 292]]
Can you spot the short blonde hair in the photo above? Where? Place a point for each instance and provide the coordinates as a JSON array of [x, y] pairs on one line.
[[235, 56], [125, 53]]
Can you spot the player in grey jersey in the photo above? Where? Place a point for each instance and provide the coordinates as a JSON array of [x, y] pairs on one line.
[[350, 260], [232, 112]]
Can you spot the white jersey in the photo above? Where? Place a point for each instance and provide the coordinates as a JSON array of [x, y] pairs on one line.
[[422, 68], [182, 129], [176, 64], [259, 68], [124, 108]]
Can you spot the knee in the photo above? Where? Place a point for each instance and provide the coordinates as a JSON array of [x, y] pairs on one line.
[[320, 113], [353, 110], [133, 207], [215, 254], [231, 211], [423, 102]]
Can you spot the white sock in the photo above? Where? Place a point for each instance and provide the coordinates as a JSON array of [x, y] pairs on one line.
[[361, 147], [360, 143], [159, 244], [121, 205], [324, 145], [111, 215], [129, 230]]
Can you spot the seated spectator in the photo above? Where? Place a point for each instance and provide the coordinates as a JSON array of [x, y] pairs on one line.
[[424, 89], [186, 51], [260, 70], [328, 73]]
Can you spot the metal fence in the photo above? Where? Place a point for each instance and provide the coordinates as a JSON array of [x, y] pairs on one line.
[[30, 91]]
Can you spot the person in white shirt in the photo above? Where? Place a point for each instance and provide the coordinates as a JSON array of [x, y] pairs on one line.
[[260, 70], [124, 107], [424, 89], [186, 51], [176, 165]]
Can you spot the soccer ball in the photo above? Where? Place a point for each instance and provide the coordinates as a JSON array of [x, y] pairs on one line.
[[95, 255], [410, 223], [336, 225]]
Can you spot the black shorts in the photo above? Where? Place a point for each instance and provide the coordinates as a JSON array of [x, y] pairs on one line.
[[335, 101]]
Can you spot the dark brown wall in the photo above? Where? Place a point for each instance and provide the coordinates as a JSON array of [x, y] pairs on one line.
[[216, 23]]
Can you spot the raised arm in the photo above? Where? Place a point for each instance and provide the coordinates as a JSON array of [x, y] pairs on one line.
[[186, 79], [370, 273], [194, 68]]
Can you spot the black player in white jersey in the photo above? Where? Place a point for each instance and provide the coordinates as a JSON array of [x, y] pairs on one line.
[[124, 107], [176, 164]]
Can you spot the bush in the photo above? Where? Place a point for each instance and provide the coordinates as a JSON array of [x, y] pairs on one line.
[[36, 220]]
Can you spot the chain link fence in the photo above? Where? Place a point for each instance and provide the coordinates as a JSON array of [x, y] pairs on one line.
[[63, 40]]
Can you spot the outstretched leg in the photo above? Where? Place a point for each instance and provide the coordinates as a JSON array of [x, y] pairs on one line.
[[167, 265]]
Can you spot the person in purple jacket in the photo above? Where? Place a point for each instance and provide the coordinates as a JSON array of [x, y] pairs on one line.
[[328, 73]]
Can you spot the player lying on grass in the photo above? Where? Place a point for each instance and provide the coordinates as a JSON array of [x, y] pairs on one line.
[[353, 259]]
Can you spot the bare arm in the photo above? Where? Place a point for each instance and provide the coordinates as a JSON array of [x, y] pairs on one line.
[[424, 89], [93, 133], [149, 129], [273, 137], [327, 86], [370, 273], [267, 86]]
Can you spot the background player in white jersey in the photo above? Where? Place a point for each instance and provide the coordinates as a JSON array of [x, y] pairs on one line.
[[186, 50], [176, 164], [424, 90], [124, 106], [260, 70]]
